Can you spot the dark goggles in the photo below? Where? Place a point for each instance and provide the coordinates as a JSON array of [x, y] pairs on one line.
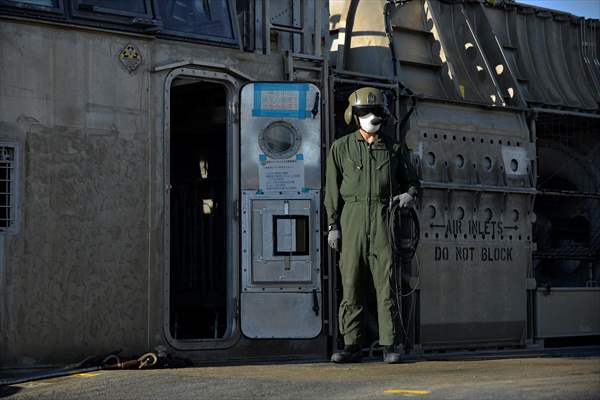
[[375, 110]]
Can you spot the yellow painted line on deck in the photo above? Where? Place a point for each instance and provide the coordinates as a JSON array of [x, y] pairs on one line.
[[87, 374], [404, 391]]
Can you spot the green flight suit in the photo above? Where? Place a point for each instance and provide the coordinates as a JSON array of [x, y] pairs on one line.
[[357, 192]]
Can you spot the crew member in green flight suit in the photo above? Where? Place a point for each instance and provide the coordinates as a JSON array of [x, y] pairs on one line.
[[360, 166]]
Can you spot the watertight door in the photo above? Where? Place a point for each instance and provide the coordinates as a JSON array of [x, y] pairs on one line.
[[280, 184]]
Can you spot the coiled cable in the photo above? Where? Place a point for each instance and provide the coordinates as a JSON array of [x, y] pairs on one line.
[[404, 248], [400, 249]]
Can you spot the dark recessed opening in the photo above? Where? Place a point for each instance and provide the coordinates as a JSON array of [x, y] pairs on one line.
[[198, 220], [567, 227]]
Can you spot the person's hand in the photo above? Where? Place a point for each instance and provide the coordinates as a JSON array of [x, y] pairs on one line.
[[334, 238], [405, 200]]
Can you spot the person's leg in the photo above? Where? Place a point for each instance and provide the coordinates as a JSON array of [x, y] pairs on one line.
[[380, 263], [351, 260]]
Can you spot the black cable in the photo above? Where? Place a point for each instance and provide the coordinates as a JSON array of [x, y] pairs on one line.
[[406, 116], [394, 225], [400, 252], [403, 250], [387, 16]]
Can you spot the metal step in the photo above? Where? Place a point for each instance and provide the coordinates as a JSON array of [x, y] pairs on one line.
[[433, 66]]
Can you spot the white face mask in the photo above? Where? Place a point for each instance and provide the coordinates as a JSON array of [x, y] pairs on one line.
[[366, 123]]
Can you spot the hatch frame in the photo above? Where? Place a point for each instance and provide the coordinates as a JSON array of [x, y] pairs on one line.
[[232, 87]]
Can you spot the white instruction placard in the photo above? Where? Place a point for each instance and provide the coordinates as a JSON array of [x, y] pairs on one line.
[[279, 100], [281, 175]]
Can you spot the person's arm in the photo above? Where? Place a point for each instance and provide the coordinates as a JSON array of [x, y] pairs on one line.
[[408, 179], [333, 179]]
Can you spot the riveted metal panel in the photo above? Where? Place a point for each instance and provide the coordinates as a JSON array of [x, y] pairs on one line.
[[474, 257], [262, 269], [280, 316], [266, 266], [281, 293], [280, 181], [567, 312], [307, 124]]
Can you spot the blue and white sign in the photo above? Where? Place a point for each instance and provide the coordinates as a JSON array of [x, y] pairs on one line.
[[280, 100]]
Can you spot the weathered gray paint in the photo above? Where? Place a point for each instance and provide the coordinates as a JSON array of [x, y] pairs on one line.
[[80, 259], [465, 299], [564, 312], [84, 276]]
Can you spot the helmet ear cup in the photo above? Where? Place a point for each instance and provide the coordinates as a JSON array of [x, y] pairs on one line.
[[348, 115]]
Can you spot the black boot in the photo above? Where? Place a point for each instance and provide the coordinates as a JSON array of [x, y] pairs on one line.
[[390, 355], [350, 354]]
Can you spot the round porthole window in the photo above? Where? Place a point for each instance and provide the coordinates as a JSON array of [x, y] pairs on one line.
[[279, 140]]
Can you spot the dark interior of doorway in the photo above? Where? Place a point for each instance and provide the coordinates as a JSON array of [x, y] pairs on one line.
[[198, 228]]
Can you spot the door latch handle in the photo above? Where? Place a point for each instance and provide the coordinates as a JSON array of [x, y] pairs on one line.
[[315, 109], [315, 302]]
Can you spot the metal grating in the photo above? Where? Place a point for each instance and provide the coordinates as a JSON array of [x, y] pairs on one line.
[[8, 188], [575, 139], [567, 230]]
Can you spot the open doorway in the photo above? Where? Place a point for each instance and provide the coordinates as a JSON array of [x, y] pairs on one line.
[[198, 212]]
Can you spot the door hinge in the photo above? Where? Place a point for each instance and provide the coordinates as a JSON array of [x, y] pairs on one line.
[[234, 110], [236, 209], [236, 310]]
